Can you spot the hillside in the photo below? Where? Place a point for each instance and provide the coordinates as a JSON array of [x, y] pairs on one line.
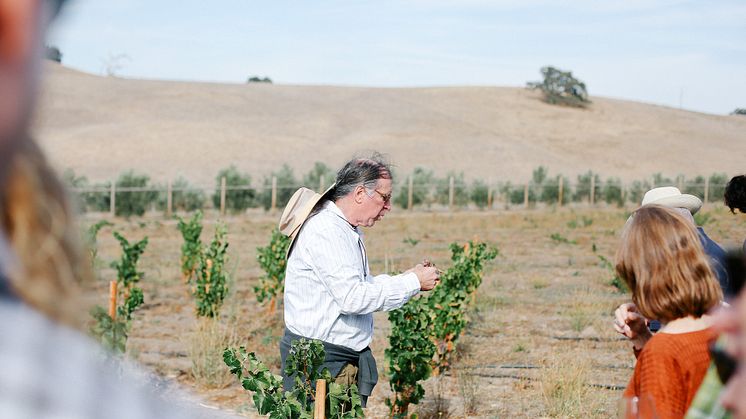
[[102, 126]]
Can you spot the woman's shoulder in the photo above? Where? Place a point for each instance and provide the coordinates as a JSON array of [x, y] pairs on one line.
[[678, 344]]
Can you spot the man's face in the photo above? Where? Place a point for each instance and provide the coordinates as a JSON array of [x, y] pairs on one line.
[[21, 34], [377, 203]]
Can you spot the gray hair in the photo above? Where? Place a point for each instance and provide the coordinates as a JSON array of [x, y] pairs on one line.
[[360, 172]]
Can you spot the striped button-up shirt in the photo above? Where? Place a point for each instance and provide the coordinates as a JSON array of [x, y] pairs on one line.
[[329, 292]]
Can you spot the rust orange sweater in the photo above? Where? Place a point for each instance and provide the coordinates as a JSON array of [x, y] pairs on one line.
[[670, 369]]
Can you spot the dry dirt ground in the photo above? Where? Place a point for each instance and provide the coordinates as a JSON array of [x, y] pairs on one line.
[[540, 342], [103, 126]]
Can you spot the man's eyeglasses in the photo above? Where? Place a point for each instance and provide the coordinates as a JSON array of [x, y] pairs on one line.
[[386, 198]]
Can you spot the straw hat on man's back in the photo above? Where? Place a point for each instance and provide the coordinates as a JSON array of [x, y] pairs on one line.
[[297, 211]]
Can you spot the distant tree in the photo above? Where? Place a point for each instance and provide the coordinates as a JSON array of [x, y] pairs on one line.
[[113, 63], [312, 179], [739, 111], [286, 186], [53, 53], [238, 195], [561, 88], [422, 183], [257, 79], [133, 194], [479, 193]]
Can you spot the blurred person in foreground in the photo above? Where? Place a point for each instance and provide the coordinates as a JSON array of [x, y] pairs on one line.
[[47, 369], [662, 261], [330, 294]]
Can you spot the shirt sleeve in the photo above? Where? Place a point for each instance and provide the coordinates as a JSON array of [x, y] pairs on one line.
[[338, 264]]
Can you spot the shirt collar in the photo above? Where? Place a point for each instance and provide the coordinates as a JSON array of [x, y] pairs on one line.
[[334, 209]]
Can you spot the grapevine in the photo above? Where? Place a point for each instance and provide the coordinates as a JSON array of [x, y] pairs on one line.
[[424, 332]]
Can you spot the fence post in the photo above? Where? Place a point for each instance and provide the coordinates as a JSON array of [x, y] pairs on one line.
[[489, 194], [561, 182], [525, 195], [273, 206], [113, 200], [593, 188], [319, 404], [707, 189], [113, 299], [169, 199], [222, 195], [681, 183], [410, 193], [450, 193], [321, 183]]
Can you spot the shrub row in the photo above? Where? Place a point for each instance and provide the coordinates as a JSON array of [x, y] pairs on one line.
[[135, 193]]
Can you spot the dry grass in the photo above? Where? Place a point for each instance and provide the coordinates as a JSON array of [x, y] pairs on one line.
[[564, 387], [515, 322], [205, 346]]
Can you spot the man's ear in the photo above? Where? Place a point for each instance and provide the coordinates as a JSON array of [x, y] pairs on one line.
[[359, 193], [18, 25]]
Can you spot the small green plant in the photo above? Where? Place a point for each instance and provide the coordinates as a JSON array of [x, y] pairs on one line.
[[210, 281], [615, 280], [127, 274], [702, 218], [92, 239], [582, 222], [272, 259], [303, 363], [410, 241], [113, 332], [561, 239], [191, 249]]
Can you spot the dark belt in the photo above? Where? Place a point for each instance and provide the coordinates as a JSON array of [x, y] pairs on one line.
[[6, 292], [336, 358]]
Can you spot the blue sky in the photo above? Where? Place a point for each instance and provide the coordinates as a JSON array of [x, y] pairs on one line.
[[668, 52]]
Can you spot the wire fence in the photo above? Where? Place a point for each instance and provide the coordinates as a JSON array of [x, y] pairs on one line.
[[447, 194]]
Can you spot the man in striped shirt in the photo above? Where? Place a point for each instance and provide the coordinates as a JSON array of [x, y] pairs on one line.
[[330, 294]]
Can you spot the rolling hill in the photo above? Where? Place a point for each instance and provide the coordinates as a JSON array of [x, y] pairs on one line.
[[101, 126]]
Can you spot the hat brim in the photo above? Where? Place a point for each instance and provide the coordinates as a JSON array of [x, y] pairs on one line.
[[307, 209], [690, 202]]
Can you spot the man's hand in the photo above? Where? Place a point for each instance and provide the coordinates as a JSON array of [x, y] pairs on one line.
[[428, 276], [630, 323]]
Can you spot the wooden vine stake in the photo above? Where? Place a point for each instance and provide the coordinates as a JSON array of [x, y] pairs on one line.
[[319, 411], [113, 299]]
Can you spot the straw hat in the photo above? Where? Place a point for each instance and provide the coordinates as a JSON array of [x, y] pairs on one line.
[[669, 196], [297, 210]]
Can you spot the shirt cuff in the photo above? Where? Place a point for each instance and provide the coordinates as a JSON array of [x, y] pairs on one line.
[[413, 284]]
